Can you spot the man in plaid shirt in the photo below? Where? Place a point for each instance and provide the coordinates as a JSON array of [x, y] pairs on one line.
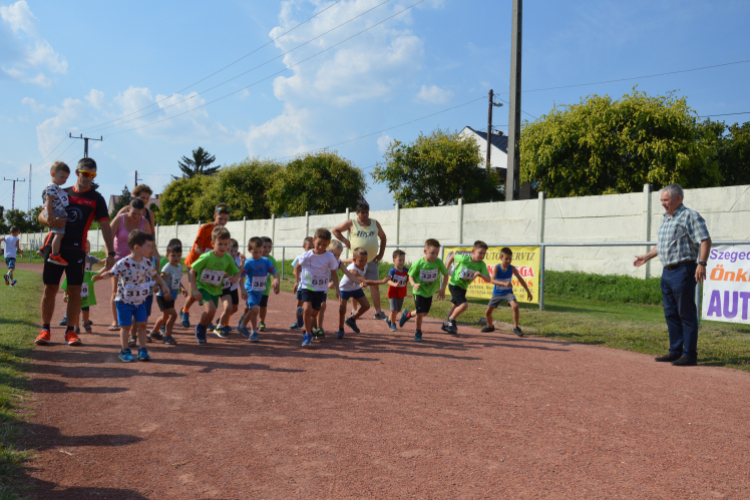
[[683, 247]]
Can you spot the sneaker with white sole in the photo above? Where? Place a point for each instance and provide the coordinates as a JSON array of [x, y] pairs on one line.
[[126, 356], [143, 354], [185, 319], [380, 315], [306, 340], [253, 337]]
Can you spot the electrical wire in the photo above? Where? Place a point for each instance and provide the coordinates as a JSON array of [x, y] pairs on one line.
[[217, 71], [269, 76], [728, 114]]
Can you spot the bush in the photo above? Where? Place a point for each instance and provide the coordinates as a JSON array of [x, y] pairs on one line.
[[607, 288]]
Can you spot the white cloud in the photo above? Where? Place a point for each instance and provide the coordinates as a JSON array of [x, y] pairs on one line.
[[51, 130], [434, 94], [383, 143], [96, 98], [20, 18], [287, 132]]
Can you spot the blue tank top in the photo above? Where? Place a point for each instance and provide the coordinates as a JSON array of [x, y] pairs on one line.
[[502, 276]]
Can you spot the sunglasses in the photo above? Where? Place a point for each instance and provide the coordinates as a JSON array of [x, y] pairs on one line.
[[222, 210], [83, 173]]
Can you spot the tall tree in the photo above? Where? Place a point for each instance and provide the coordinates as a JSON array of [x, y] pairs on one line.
[[198, 164], [437, 169], [602, 146], [732, 149], [181, 201]]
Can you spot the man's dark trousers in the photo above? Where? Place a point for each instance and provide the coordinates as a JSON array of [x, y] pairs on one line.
[[678, 290]]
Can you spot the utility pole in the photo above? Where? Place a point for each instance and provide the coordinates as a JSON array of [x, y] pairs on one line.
[[86, 142], [489, 129], [136, 179], [29, 188], [514, 127], [13, 203]]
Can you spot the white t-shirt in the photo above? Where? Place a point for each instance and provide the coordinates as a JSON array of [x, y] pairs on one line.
[[348, 285], [11, 247], [316, 270], [229, 284], [135, 280]]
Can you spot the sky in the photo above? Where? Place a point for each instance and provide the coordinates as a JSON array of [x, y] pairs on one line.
[[252, 78]]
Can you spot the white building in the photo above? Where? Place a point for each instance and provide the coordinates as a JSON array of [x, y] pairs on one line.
[[499, 158]]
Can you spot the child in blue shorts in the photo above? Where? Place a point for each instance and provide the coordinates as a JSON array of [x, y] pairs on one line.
[[12, 248], [256, 271], [171, 272], [307, 244], [135, 273], [351, 289]]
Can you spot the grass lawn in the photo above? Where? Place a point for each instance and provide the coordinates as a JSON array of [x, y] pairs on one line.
[[19, 328], [603, 310]]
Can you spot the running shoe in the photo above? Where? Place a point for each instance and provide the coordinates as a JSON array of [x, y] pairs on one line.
[[126, 356], [300, 319], [211, 326], [319, 334], [351, 323], [253, 337], [219, 332], [518, 331], [169, 340], [449, 326], [154, 336], [200, 334], [262, 327], [185, 319], [163, 329], [244, 331], [239, 323], [404, 318], [306, 340], [87, 328], [91, 323], [393, 327], [64, 321], [43, 338], [295, 326], [7, 279], [488, 329], [132, 341], [340, 334], [13, 283], [380, 315], [227, 330], [77, 330], [388, 322], [71, 338], [143, 354], [418, 336], [56, 259]]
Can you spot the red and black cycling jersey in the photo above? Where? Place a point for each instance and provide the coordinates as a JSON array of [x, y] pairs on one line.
[[83, 209]]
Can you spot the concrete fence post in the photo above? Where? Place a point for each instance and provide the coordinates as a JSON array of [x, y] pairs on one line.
[[98, 247], [460, 222], [307, 224], [177, 230], [398, 225], [647, 224], [156, 236], [243, 243], [348, 233], [541, 214], [273, 231]]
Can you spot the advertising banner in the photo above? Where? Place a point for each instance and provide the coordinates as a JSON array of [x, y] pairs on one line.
[[525, 259], [726, 291]]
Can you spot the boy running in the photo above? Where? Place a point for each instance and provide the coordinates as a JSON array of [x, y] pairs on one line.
[[171, 273], [256, 270], [55, 207], [88, 297], [424, 276], [267, 249], [503, 291], [397, 278], [307, 244], [12, 248], [316, 268], [207, 278], [467, 268], [352, 289], [136, 274], [230, 295]]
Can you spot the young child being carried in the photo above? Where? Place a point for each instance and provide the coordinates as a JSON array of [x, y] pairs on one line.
[[230, 295], [256, 271], [207, 279], [171, 272], [424, 276], [503, 291], [352, 289], [135, 274], [55, 206], [307, 244], [12, 248], [467, 268], [316, 268], [396, 280]]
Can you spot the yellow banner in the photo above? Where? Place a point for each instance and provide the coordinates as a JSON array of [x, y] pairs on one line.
[[525, 260]]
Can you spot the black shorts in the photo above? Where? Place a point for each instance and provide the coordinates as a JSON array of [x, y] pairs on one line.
[[264, 301], [164, 303], [314, 298], [423, 304], [235, 294], [73, 271], [458, 295]]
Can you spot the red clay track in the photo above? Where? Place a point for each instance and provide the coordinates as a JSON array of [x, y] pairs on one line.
[[379, 416]]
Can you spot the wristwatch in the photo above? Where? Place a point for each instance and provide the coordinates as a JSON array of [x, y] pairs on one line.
[[704, 264], [112, 254]]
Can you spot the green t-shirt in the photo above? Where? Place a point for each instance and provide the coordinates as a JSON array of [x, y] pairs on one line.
[[464, 269], [210, 271], [270, 276], [427, 274], [88, 298], [163, 262]]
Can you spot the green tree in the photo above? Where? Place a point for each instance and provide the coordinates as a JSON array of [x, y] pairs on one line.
[[181, 200], [437, 169], [732, 144], [603, 146], [320, 183], [25, 222], [122, 201], [197, 165]]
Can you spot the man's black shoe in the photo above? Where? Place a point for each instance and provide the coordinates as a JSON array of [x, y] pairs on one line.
[[668, 357], [685, 361]]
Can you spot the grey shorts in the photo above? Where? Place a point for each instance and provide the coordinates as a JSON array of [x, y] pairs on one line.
[[60, 214], [371, 271], [396, 304], [496, 300]]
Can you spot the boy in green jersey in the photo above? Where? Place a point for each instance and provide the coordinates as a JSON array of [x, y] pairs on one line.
[[424, 276], [207, 278], [267, 249], [467, 268]]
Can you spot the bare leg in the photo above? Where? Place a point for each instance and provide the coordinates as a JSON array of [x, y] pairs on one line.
[[112, 300], [321, 315], [488, 315], [516, 313], [226, 301], [254, 312], [419, 320], [48, 303], [364, 306], [188, 303], [210, 311], [309, 313], [172, 318], [124, 335], [74, 305], [375, 294], [142, 335], [342, 313], [458, 311]]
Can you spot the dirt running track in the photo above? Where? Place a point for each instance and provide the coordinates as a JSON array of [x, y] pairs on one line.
[[379, 416]]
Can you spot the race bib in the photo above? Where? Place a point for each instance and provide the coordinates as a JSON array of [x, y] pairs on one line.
[[320, 281], [176, 281], [211, 277], [135, 294], [466, 274], [426, 276], [260, 283], [63, 197], [401, 280], [227, 283], [84, 290]]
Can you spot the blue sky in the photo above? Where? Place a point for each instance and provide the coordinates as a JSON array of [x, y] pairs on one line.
[[70, 66]]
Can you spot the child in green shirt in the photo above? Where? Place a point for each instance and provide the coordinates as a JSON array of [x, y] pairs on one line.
[[467, 268], [424, 276]]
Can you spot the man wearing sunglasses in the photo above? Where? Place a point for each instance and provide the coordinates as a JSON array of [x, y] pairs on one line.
[[203, 244], [84, 206]]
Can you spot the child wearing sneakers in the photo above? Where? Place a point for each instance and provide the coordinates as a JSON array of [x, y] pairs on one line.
[[503, 291], [397, 278], [256, 270], [307, 244], [267, 249], [88, 296], [135, 274], [424, 276], [352, 289], [230, 295], [55, 208], [171, 273], [316, 268], [207, 278], [12, 249], [466, 269]]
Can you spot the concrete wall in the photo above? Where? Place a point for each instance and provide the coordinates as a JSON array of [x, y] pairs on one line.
[[610, 218]]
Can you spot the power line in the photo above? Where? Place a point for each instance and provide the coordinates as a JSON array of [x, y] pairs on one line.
[[728, 114], [270, 76], [217, 71]]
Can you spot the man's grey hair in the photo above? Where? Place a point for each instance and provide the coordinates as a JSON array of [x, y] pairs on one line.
[[674, 190]]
